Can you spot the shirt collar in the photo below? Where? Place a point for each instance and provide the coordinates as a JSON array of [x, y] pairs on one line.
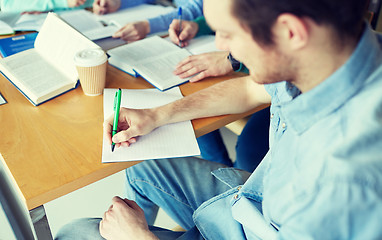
[[307, 108]]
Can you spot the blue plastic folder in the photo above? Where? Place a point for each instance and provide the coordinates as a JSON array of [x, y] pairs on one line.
[[15, 44]]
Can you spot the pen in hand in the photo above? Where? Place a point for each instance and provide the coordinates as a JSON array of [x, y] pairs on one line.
[[180, 24], [117, 106]]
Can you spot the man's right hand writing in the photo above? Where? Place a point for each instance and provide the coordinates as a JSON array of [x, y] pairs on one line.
[[132, 123]]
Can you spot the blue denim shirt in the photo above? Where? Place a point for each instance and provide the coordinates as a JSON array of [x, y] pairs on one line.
[[322, 177]]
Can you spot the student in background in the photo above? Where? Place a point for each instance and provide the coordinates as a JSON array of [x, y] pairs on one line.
[[99, 6], [322, 178], [138, 30]]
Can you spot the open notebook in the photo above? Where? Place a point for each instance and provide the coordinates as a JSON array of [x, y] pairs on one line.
[[14, 215], [172, 140], [155, 58]]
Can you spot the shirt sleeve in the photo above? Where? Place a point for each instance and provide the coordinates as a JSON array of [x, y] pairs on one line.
[[38, 5], [191, 10], [133, 3], [204, 29], [339, 210]]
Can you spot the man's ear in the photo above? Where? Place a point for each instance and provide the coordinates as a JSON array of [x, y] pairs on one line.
[[291, 31]]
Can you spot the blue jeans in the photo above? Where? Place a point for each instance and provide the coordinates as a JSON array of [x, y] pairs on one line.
[[251, 147], [179, 186]]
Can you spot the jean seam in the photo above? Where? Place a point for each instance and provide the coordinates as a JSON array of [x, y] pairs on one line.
[[160, 189]]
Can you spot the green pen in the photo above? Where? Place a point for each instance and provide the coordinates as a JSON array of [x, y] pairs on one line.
[[117, 106]]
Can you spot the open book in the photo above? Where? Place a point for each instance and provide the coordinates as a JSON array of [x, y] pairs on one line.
[[47, 70], [155, 59], [168, 141]]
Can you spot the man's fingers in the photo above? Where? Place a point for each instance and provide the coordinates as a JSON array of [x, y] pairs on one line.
[[107, 127], [198, 77], [124, 136], [102, 3], [118, 33]]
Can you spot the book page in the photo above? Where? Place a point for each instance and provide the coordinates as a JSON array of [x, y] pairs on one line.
[[101, 32], [86, 23], [141, 50], [5, 29], [137, 13], [159, 70], [33, 75], [202, 44], [82, 20], [173, 140], [58, 42], [30, 22]]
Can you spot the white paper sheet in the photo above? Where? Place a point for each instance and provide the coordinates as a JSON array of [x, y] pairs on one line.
[[173, 140], [2, 101]]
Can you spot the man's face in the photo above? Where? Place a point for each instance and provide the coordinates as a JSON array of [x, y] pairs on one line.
[[266, 64]]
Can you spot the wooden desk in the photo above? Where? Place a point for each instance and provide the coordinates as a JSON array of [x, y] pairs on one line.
[[55, 148]]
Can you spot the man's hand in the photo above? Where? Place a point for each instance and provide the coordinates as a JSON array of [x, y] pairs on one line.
[[75, 3], [105, 6], [133, 31], [124, 220], [204, 65], [131, 124], [188, 31]]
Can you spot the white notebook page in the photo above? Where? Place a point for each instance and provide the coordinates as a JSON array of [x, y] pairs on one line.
[[173, 140]]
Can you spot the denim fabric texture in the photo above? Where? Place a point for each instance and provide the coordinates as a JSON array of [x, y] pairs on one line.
[[251, 146], [321, 179]]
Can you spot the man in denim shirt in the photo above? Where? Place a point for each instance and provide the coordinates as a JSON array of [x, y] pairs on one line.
[[321, 67]]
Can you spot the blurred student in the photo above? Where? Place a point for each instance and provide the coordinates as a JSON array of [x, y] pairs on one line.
[[191, 9], [99, 6]]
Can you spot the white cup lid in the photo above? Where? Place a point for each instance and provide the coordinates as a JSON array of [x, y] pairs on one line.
[[90, 57]]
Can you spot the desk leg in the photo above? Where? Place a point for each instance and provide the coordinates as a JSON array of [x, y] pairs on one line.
[[40, 223]]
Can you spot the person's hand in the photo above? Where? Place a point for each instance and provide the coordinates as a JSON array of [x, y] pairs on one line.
[[188, 31], [105, 6], [133, 31], [124, 220], [131, 124], [204, 65], [75, 3]]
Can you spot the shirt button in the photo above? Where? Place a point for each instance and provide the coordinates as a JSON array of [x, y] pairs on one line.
[[238, 188], [236, 196], [283, 125], [272, 115]]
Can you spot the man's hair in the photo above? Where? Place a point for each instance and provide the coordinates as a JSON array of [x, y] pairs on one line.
[[345, 16]]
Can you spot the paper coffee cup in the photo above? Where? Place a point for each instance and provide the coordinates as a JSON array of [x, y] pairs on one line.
[[91, 67]]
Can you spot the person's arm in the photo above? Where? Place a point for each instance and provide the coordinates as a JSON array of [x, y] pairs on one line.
[[190, 11], [228, 97], [41, 5], [140, 29]]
